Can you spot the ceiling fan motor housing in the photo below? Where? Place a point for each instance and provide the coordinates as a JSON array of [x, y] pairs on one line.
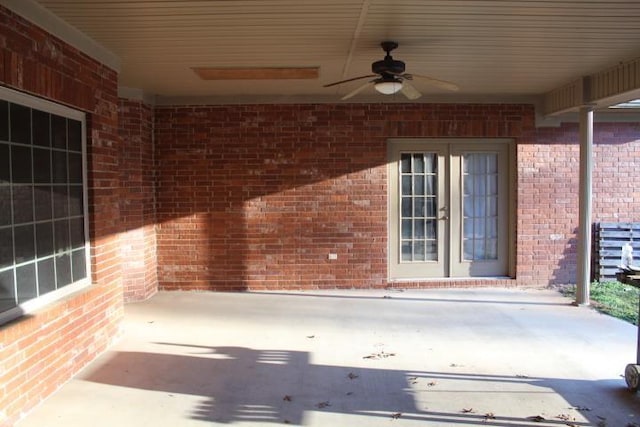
[[388, 66]]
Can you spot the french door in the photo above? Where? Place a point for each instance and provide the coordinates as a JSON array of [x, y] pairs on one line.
[[448, 209]]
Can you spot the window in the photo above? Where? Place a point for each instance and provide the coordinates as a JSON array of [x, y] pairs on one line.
[[43, 221]]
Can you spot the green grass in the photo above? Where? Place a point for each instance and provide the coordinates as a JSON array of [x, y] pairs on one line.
[[612, 298]]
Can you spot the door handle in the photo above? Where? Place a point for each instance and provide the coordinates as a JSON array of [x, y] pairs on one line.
[[445, 211]]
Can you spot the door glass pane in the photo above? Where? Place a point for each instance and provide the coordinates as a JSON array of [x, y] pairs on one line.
[[432, 204], [418, 207], [418, 187], [405, 163], [468, 249], [431, 251], [418, 184], [480, 207], [406, 185], [431, 227], [418, 250], [418, 227], [406, 207], [418, 163], [406, 229], [407, 251], [492, 206], [468, 207], [492, 249], [480, 219]]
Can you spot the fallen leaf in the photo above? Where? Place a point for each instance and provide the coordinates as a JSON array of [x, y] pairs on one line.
[[381, 355], [396, 415], [323, 404], [522, 376], [489, 416], [467, 410], [580, 408], [352, 376], [287, 398], [565, 417], [431, 384], [536, 418], [349, 393], [311, 336], [287, 422], [455, 365], [386, 297]]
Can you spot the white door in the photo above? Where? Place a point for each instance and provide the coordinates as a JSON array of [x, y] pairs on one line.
[[448, 209]]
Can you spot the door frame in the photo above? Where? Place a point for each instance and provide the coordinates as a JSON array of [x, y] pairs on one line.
[[397, 145]]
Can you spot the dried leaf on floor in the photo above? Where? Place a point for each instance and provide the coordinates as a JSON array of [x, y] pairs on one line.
[[386, 297], [580, 408], [287, 398], [455, 365], [467, 411], [352, 376], [381, 355], [489, 416], [349, 393], [396, 415], [565, 417], [311, 336], [522, 376], [431, 383], [537, 418], [323, 404], [413, 380]]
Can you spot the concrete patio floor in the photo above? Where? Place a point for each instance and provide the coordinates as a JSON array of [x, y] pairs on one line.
[[463, 357]]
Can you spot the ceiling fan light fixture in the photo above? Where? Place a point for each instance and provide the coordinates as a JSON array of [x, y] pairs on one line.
[[389, 87]]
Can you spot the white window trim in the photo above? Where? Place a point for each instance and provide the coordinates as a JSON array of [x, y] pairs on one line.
[[37, 303]]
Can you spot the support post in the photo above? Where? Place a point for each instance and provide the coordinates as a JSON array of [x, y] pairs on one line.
[[584, 215]]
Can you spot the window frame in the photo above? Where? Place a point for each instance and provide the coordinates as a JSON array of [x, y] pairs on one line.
[[32, 102]]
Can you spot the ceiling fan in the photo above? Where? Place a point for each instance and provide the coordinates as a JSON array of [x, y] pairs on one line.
[[390, 77]]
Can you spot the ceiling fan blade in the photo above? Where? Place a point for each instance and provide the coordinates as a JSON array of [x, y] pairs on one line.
[[350, 80], [442, 84], [409, 91], [358, 90]]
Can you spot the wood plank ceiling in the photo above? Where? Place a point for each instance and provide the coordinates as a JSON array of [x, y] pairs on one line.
[[490, 48]]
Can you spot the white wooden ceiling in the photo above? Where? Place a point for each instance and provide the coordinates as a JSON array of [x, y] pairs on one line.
[[490, 48]]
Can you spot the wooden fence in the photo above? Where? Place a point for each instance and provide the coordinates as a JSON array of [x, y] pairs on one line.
[[607, 247]]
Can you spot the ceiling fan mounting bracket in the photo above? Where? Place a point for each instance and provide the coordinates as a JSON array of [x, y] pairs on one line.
[[388, 46]]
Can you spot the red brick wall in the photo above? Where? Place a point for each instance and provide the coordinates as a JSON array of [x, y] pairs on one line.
[[255, 197], [548, 182], [137, 203], [40, 352]]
